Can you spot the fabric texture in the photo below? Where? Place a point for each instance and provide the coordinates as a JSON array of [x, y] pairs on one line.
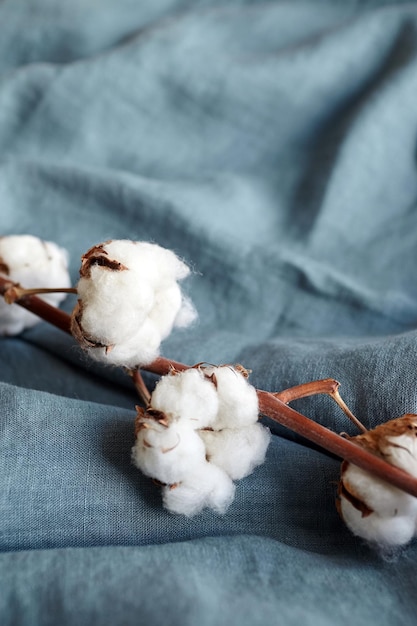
[[272, 146]]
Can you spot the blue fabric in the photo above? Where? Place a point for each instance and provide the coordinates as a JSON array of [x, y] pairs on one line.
[[272, 145]]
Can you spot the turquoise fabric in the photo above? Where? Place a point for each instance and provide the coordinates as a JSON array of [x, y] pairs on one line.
[[272, 145]]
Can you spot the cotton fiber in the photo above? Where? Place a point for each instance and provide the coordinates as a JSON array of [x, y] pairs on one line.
[[168, 452], [129, 301], [237, 450], [32, 263], [238, 402], [189, 395], [208, 487]]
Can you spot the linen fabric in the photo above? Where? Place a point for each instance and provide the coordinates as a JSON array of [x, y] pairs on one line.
[[272, 146]]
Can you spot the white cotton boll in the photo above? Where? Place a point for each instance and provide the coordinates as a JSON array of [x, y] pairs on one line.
[[168, 453], [372, 508], [238, 400], [208, 486], [396, 530], [129, 301], [33, 263], [237, 451], [188, 395]]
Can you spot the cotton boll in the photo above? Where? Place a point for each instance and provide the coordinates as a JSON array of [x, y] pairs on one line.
[[238, 401], [371, 507], [33, 263], [168, 453], [237, 451], [188, 395], [129, 301], [208, 486], [189, 401]]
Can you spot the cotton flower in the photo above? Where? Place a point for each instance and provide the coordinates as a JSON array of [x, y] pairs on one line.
[[183, 440], [129, 301], [373, 509], [27, 260]]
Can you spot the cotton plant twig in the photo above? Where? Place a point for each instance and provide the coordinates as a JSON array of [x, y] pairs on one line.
[[271, 405], [39, 307], [328, 386], [16, 292], [274, 408], [140, 386]]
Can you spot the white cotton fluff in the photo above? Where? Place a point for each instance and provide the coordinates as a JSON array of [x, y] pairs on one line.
[[129, 301], [208, 486], [393, 516], [377, 529], [402, 452], [372, 508], [168, 453], [28, 260], [237, 451], [184, 407], [238, 401], [189, 395]]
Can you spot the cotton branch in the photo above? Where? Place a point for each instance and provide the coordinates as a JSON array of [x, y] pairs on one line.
[[270, 405], [39, 307]]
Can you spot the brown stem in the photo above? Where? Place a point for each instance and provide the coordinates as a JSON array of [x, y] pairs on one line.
[[162, 366], [39, 307], [329, 386], [140, 386], [269, 405], [272, 407], [16, 292]]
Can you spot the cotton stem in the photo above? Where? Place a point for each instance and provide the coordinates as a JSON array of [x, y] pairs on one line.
[[269, 405], [274, 408], [15, 292], [39, 307], [328, 386], [140, 386]]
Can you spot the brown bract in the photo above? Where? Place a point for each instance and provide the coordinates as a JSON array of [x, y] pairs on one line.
[[375, 440], [4, 268], [346, 490], [240, 369], [150, 414], [78, 333], [97, 255]]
